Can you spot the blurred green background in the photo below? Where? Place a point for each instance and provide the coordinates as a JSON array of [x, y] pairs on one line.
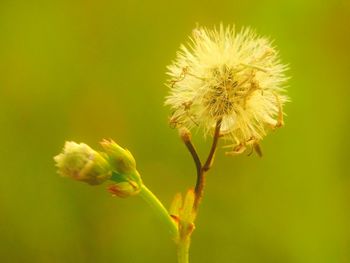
[[87, 70]]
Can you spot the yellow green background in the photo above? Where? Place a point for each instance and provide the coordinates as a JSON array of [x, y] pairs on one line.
[[87, 70]]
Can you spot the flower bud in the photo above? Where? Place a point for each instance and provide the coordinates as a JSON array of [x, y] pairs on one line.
[[120, 159], [124, 189], [81, 163]]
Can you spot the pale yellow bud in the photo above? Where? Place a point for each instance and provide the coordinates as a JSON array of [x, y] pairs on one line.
[[81, 163], [120, 159]]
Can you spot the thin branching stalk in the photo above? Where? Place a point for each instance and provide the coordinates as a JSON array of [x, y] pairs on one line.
[[207, 165], [195, 157], [184, 243]]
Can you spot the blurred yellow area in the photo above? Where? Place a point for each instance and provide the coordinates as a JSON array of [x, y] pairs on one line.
[[87, 70]]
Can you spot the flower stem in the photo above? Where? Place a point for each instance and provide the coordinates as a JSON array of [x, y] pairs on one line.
[[183, 248], [207, 165], [161, 211]]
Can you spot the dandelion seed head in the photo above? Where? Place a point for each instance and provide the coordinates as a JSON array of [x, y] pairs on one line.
[[234, 77]]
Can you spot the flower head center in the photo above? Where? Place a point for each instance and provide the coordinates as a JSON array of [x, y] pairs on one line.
[[220, 96]]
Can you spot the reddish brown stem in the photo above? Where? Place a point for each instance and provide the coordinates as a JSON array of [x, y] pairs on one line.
[[207, 165], [194, 155]]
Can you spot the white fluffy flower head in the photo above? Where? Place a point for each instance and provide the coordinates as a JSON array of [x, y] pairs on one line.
[[235, 78]]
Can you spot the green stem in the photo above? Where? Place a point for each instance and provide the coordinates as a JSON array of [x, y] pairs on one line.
[[161, 211], [183, 248]]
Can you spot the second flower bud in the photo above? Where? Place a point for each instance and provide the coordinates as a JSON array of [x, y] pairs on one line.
[[128, 180]]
